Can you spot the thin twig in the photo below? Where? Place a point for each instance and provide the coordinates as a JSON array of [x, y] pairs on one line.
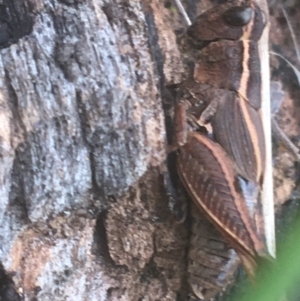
[[296, 71], [285, 140], [292, 33], [183, 12]]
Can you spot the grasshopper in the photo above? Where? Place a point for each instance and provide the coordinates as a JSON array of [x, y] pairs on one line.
[[218, 131]]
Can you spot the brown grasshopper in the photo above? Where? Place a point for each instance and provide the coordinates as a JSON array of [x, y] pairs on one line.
[[221, 156]]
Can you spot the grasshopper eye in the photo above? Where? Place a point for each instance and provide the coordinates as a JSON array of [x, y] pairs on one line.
[[238, 16]]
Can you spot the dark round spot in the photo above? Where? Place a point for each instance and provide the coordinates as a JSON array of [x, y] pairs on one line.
[[238, 16]]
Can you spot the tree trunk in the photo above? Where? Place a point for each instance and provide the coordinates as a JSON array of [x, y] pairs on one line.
[[83, 212]]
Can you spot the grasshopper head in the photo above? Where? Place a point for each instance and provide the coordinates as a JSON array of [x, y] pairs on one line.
[[234, 20]]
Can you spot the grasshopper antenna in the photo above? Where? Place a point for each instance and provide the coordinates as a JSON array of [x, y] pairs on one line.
[[183, 12]]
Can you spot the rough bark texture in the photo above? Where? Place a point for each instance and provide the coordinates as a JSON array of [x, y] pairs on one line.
[[83, 212]]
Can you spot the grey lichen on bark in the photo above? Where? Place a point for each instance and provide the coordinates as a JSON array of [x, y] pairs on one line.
[[83, 214]]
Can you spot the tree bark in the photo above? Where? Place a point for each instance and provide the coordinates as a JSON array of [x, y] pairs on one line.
[[83, 212]]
